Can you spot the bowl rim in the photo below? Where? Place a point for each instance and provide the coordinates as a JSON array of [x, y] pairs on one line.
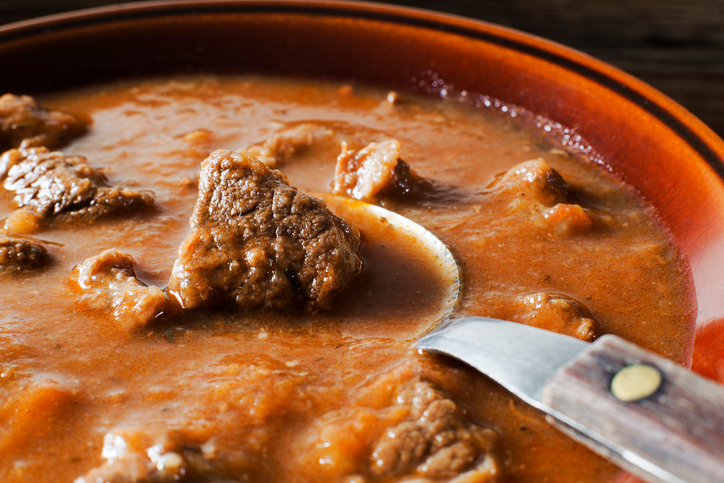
[[707, 144], [700, 138]]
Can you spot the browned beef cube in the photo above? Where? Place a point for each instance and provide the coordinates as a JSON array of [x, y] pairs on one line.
[[23, 121], [21, 254], [64, 187], [436, 440], [108, 284], [257, 242], [375, 169], [409, 428]]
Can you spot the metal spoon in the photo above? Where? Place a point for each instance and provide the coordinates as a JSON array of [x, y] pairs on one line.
[[665, 426]]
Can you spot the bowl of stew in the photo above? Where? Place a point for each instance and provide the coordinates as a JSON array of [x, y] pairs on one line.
[[574, 198]]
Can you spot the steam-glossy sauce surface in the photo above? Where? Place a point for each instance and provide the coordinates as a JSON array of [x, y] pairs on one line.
[[300, 398]]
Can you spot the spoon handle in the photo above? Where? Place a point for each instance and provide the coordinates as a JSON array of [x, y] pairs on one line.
[[675, 434]]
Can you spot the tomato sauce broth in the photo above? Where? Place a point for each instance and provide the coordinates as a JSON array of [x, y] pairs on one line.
[[266, 382]]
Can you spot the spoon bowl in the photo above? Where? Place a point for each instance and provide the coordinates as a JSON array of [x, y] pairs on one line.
[[376, 221]]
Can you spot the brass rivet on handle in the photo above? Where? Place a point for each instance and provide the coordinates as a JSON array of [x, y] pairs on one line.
[[635, 382]]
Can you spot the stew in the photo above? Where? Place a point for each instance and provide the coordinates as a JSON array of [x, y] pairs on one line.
[[270, 339]]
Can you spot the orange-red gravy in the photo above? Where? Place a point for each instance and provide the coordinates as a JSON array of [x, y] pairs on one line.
[[264, 378]]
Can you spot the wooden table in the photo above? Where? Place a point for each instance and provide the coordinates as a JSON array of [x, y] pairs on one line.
[[676, 46]]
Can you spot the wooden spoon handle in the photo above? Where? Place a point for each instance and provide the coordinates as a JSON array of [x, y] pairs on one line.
[[674, 435]]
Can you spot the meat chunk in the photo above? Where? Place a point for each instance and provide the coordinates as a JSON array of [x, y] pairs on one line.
[[108, 283], [539, 192], [401, 427], [534, 181], [557, 313], [25, 122], [289, 142], [18, 254], [64, 188], [137, 455], [435, 441], [374, 169], [161, 463], [257, 242]]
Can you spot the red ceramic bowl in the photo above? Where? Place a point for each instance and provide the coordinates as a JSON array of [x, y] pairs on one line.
[[654, 144]]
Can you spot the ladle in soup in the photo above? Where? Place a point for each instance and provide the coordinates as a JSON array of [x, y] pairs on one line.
[[396, 249], [571, 380]]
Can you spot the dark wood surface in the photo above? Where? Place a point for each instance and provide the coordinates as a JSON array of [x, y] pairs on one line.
[[677, 46]]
